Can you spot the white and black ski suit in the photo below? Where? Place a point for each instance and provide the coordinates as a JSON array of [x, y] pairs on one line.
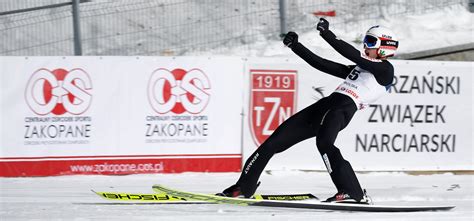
[[363, 83]]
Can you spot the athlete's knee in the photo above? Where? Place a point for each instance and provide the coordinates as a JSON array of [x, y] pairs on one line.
[[324, 144]]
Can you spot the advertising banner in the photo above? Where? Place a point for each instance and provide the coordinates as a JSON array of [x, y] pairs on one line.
[[125, 115], [423, 123], [119, 115]]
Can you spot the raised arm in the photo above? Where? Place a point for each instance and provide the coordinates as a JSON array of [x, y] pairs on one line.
[[324, 65], [380, 69]]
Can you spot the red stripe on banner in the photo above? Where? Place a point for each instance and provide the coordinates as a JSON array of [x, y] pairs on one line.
[[276, 71], [118, 156], [118, 166]]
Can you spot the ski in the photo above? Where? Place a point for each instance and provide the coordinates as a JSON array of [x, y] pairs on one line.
[[170, 199], [147, 198], [296, 204]]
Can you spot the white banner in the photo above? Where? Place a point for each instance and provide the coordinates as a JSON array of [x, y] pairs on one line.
[[425, 123], [121, 115], [97, 108], [192, 106]]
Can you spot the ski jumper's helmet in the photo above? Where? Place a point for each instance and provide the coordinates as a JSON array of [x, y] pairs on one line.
[[383, 39]]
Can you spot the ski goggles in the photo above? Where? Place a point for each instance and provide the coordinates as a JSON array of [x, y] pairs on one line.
[[370, 41], [374, 42]]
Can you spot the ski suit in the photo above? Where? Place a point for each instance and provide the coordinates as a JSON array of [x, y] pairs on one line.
[[364, 82]]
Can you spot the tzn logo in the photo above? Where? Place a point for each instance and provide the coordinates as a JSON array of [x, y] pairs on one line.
[[178, 91], [59, 91], [272, 100]]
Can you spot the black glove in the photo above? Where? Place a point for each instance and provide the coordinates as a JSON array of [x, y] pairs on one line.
[[322, 25], [290, 39]]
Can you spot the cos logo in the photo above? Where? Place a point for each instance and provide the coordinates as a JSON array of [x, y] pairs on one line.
[[178, 91], [59, 91]]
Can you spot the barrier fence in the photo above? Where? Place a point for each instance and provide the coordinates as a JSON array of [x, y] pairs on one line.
[[166, 27]]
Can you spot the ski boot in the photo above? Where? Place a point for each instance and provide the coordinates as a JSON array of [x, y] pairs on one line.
[[342, 197], [232, 191], [235, 191]]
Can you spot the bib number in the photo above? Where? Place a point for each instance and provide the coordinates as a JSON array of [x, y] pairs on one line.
[[354, 75]]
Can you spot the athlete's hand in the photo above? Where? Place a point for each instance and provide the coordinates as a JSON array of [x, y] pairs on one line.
[[322, 25], [290, 39]]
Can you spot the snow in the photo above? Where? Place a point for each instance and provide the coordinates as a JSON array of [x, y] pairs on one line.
[[70, 198], [446, 27], [117, 28]]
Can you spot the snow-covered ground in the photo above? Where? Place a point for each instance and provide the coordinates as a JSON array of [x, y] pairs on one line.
[[70, 198]]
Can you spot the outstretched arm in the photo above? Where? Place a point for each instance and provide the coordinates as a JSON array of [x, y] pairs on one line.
[[327, 66], [377, 67], [324, 65]]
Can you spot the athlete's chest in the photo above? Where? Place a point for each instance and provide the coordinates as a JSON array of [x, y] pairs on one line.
[[359, 76]]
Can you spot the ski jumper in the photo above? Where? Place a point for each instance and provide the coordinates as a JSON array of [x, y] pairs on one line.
[[364, 82]]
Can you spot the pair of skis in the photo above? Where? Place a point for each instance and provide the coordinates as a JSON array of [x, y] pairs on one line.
[[301, 201], [171, 199]]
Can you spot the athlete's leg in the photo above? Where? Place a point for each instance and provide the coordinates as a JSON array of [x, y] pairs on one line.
[[299, 127], [340, 170]]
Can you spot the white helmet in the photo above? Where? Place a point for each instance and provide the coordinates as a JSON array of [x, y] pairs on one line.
[[383, 39]]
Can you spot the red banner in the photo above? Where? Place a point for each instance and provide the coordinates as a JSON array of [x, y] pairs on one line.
[[118, 165]]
